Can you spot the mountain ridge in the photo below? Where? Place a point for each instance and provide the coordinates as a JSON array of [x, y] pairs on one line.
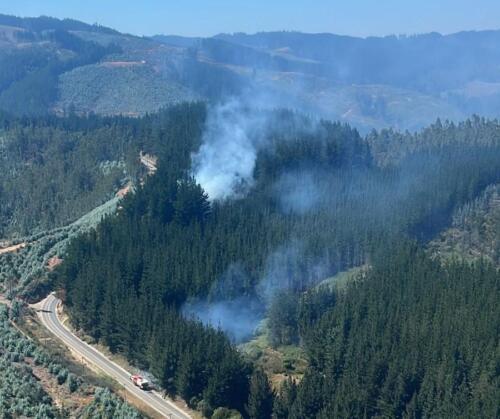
[[404, 82]]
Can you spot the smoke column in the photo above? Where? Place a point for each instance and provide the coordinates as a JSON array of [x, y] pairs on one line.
[[225, 163]]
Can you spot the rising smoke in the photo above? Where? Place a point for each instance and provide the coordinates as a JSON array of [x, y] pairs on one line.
[[299, 192], [225, 163], [224, 166], [239, 316]]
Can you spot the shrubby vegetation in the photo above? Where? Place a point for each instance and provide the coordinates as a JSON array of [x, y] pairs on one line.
[[133, 89], [22, 395], [50, 65], [29, 75], [106, 406]]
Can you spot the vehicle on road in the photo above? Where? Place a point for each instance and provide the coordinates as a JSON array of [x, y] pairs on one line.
[[140, 382], [163, 406]]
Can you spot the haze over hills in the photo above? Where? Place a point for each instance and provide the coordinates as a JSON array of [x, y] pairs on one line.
[[57, 66], [193, 209]]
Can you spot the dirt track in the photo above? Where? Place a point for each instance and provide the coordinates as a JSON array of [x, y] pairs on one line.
[[11, 249]]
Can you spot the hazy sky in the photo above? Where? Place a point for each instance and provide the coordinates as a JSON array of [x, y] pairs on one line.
[[209, 17]]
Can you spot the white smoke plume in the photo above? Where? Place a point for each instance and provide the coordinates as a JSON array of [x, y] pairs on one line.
[[225, 162]]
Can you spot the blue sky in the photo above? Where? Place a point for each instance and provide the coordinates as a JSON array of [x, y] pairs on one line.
[[208, 17]]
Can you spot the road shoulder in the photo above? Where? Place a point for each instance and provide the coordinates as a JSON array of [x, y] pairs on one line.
[[177, 405]]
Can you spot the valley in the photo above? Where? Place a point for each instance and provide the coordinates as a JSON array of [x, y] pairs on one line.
[[276, 225]]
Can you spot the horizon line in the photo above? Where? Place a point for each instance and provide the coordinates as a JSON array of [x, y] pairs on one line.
[[232, 33]]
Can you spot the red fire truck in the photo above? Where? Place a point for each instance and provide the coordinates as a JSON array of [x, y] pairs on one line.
[[140, 382]]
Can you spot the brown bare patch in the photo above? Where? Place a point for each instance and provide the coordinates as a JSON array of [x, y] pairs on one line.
[[60, 393], [124, 191], [13, 248], [53, 262]]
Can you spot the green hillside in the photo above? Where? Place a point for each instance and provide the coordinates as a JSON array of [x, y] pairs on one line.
[[212, 270], [475, 230], [112, 88], [55, 66]]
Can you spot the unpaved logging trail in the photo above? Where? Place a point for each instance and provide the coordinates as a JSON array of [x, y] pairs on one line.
[[13, 248]]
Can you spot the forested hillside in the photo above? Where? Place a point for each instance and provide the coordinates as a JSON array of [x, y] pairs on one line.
[[475, 230], [58, 66], [129, 89], [321, 200], [60, 177], [413, 339], [33, 53], [56, 170], [276, 225]]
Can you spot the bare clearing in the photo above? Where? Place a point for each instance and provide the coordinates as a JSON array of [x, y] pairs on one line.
[[13, 248], [150, 162]]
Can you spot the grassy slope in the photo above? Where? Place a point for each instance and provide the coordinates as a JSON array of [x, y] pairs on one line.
[[277, 363]]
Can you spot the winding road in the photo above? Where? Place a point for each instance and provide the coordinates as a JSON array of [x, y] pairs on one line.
[[47, 312]]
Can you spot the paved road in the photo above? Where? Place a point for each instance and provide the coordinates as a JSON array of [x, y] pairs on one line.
[[48, 316]]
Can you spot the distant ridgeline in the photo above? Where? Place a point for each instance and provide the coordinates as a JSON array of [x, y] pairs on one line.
[[29, 75], [301, 200], [321, 200], [51, 66]]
